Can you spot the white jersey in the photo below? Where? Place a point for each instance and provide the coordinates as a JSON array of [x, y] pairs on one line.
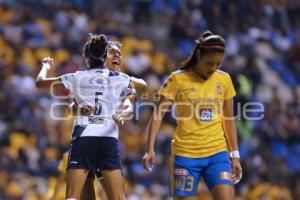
[[102, 90]]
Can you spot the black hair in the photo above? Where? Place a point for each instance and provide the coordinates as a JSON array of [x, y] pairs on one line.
[[207, 43], [95, 50]]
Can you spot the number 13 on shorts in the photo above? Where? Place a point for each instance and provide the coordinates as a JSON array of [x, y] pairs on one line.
[[184, 183]]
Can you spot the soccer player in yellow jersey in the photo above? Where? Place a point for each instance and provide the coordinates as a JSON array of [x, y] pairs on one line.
[[205, 134]]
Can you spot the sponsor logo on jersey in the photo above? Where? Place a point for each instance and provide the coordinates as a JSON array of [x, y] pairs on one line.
[[98, 87], [181, 172], [97, 120], [189, 90]]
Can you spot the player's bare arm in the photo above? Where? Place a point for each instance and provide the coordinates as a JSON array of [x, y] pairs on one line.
[[231, 136], [139, 84], [126, 109], [42, 80], [155, 123]]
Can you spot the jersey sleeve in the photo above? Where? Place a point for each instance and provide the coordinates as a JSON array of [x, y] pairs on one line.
[[127, 92], [229, 88], [68, 80], [169, 88]]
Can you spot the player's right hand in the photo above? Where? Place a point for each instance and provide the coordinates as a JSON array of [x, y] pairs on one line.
[[86, 110], [149, 160]]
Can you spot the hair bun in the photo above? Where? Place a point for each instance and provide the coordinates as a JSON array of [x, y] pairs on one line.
[[102, 39], [99, 40], [206, 34]]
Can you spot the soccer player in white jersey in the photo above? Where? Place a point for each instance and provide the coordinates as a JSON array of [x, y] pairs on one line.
[[113, 62], [95, 138]]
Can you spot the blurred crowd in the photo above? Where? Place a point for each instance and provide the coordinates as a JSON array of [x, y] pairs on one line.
[[262, 56]]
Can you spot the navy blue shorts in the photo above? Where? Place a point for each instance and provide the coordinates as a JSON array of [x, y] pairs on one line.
[[91, 153]]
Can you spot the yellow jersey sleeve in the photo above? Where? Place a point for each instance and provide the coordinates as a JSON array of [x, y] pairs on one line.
[[168, 88], [229, 88]]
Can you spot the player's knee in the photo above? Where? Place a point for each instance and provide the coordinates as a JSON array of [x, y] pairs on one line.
[[223, 192], [121, 197], [118, 196], [72, 195]]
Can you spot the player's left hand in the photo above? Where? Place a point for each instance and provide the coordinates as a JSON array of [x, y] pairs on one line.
[[237, 170], [123, 113], [48, 62], [118, 119]]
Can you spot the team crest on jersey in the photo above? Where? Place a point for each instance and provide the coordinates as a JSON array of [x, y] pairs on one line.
[[181, 172], [206, 115], [99, 81], [218, 89]]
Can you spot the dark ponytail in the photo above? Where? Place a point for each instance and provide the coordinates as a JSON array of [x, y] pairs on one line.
[[95, 50], [207, 43]]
